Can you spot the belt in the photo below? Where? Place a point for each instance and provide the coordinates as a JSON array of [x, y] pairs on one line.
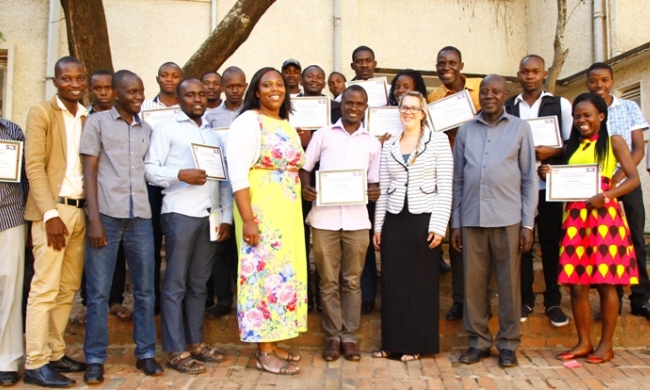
[[78, 203]]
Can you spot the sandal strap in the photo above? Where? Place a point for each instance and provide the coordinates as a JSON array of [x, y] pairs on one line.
[[180, 357]]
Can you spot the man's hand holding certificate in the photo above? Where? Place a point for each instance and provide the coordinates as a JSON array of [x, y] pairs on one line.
[[546, 131], [570, 183], [376, 90], [310, 113], [341, 188], [210, 159], [155, 116], [382, 120], [452, 111]]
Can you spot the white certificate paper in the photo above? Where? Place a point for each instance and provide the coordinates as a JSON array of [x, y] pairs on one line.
[[375, 88], [310, 113], [546, 131], [341, 188], [452, 111], [11, 160], [155, 116], [382, 120], [215, 223], [223, 133], [570, 183], [210, 159]]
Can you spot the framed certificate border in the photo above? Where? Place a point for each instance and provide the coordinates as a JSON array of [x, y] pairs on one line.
[[382, 108], [558, 137], [220, 152], [551, 197], [314, 98], [372, 81], [146, 114], [363, 198], [17, 146], [467, 96]]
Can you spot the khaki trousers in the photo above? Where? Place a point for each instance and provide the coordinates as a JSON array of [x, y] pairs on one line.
[[340, 255], [12, 267], [57, 277]]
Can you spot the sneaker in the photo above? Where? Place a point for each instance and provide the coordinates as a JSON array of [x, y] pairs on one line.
[[525, 312], [557, 316]]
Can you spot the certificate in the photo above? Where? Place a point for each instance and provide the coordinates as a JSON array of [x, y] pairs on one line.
[[375, 88], [310, 113], [157, 115], [452, 111], [210, 159], [546, 131], [567, 183], [382, 120], [341, 188], [11, 160], [223, 133]]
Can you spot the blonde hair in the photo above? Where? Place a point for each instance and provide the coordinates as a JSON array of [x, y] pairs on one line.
[[424, 122]]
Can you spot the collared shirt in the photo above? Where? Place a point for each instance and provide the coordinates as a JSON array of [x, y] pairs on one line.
[[152, 104], [170, 151], [12, 195], [222, 116], [623, 117], [337, 149], [73, 185], [472, 85], [531, 112], [495, 178], [121, 148]]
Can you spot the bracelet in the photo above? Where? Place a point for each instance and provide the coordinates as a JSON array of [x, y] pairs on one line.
[[605, 198]]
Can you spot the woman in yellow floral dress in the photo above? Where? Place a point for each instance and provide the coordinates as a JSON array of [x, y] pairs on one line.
[[264, 156]]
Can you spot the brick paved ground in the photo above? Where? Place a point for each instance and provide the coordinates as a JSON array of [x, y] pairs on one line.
[[538, 369]]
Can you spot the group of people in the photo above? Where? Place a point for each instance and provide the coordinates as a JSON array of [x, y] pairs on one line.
[[101, 181]]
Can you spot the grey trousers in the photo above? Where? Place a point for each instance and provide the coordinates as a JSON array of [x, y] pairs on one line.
[[190, 255], [487, 250], [340, 256]]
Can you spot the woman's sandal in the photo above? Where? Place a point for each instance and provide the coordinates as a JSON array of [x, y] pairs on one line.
[[185, 364], [206, 354], [270, 362], [568, 355], [121, 312], [409, 358], [291, 356], [379, 354], [595, 359]]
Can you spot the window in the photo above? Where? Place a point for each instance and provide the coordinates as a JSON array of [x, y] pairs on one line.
[[631, 92]]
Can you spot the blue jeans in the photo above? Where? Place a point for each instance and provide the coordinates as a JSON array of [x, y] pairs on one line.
[[137, 237]]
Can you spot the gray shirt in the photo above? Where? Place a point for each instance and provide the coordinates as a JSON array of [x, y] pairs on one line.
[[222, 116], [121, 148], [495, 180]]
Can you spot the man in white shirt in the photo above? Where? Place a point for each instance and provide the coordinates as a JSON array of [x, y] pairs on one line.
[[189, 200]]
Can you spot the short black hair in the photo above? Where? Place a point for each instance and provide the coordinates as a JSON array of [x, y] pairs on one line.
[[360, 49], [101, 72], [168, 64], [354, 88], [234, 70], [251, 101], [338, 73], [451, 48], [209, 72], [600, 65], [119, 76], [63, 61], [533, 56], [183, 81], [418, 83], [312, 66]]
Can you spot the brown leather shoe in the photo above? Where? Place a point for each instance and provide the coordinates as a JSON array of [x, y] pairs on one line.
[[351, 352], [332, 350]]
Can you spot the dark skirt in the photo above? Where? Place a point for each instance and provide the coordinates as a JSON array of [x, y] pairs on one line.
[[410, 285]]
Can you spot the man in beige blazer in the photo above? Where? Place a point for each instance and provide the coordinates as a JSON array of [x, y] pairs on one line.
[[55, 205]]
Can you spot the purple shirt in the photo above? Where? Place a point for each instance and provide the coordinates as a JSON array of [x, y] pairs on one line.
[[336, 149]]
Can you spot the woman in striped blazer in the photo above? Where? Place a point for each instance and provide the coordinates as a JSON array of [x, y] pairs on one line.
[[410, 223]]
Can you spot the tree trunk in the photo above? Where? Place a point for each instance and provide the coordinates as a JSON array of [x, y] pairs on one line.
[[88, 34], [233, 30], [559, 54]]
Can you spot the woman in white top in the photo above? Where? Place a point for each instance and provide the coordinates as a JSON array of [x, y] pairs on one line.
[[410, 223]]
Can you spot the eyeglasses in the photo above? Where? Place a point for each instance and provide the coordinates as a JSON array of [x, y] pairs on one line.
[[412, 110]]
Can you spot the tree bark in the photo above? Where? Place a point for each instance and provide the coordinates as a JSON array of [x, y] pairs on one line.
[[559, 53], [231, 32]]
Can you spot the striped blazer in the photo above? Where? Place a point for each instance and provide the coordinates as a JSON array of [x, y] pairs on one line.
[[428, 181]]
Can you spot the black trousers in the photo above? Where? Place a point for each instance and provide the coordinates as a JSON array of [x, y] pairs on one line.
[[369, 275], [549, 226], [224, 271], [155, 201], [635, 214]]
